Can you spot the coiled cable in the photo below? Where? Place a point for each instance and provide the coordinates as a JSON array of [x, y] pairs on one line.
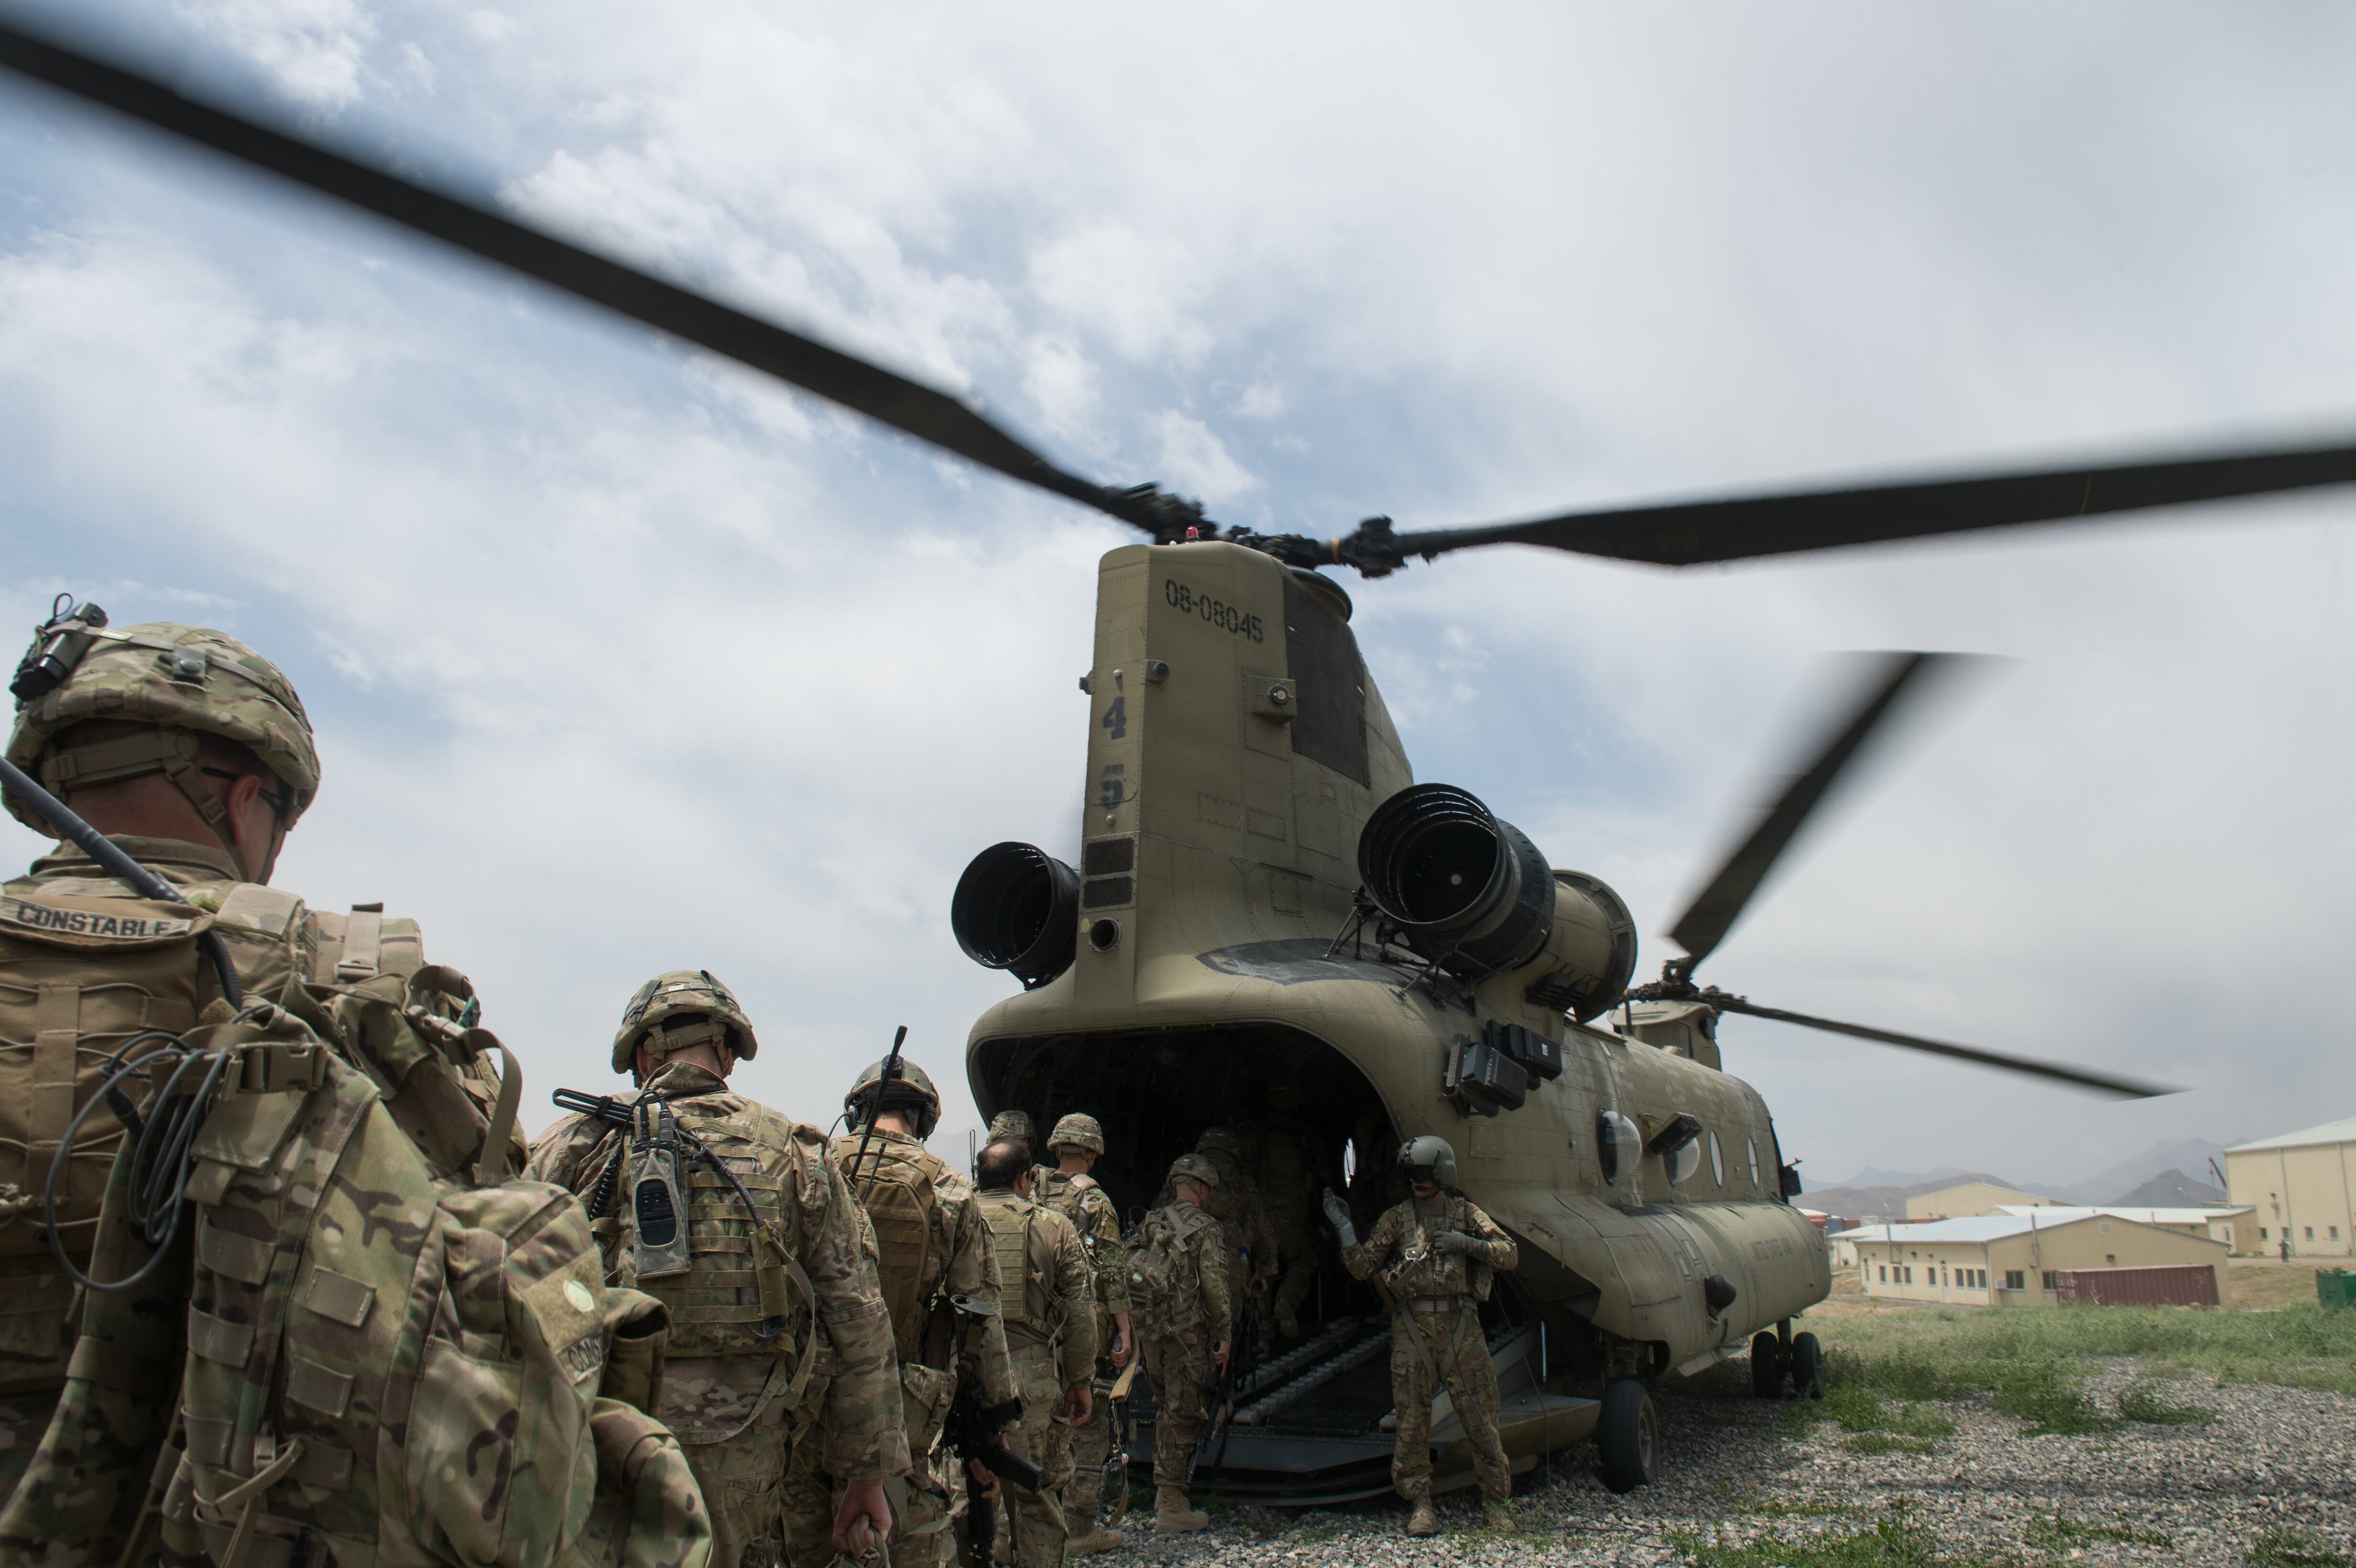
[[161, 1148]]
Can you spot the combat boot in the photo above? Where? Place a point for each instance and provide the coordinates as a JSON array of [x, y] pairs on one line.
[[1171, 1514], [1102, 1539], [1423, 1521], [1498, 1516]]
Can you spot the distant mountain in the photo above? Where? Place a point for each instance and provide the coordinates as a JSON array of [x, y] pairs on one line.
[[2192, 1155], [1870, 1177], [1884, 1201], [2170, 1190]]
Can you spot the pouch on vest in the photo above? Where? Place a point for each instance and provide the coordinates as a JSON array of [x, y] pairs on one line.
[[659, 1211], [80, 977]]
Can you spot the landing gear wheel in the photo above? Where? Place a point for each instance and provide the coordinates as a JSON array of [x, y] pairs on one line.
[[1766, 1366], [1628, 1438], [1807, 1366]]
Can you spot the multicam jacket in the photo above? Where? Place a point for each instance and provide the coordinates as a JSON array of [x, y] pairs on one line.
[[1180, 1275], [1078, 1198], [1398, 1250], [853, 1392]]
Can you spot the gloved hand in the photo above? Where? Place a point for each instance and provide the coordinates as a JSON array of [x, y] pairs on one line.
[[1337, 1214], [1457, 1241]]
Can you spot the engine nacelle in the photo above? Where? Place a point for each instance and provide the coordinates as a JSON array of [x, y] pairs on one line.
[[1465, 890], [1590, 954], [1017, 908]]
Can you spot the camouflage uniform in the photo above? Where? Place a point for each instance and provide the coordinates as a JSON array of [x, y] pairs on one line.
[[735, 1401], [953, 1258], [1047, 1300], [1078, 1198], [1179, 1331], [348, 1158], [1012, 1124], [1288, 1162], [1436, 1336]]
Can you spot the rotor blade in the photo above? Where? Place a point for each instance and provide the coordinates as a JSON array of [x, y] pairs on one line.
[[1721, 901], [922, 412], [2125, 1088], [1689, 533]]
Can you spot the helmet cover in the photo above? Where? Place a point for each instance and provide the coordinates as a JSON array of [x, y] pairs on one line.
[[1079, 1131], [912, 1091], [1012, 1124], [684, 994], [1194, 1168], [177, 679]]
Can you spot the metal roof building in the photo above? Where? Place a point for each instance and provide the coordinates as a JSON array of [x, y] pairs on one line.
[[2299, 1183]]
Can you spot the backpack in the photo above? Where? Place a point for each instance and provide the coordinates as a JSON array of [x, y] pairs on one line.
[[897, 1187], [1164, 1273], [394, 1351]]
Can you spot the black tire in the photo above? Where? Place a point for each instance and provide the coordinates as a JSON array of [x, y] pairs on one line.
[[1766, 1367], [1628, 1436], [1807, 1366]]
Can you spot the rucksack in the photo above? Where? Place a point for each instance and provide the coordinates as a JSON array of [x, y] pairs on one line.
[[395, 1351], [1164, 1275]]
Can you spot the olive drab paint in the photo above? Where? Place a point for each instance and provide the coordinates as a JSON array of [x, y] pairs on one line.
[[1235, 747]]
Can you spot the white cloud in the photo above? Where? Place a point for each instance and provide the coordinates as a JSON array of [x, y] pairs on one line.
[[637, 662], [1196, 462], [312, 49]]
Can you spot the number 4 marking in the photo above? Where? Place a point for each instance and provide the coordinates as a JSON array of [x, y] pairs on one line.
[[1116, 718]]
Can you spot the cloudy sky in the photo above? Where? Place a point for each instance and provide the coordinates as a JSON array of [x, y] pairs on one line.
[[623, 660]]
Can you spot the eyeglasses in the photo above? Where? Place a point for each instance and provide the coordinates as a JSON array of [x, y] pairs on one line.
[[280, 803]]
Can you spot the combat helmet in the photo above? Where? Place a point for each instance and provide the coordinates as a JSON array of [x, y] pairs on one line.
[[1193, 1167], [183, 683], [705, 1012], [1079, 1131], [1220, 1140], [1012, 1124], [912, 1091], [1431, 1156]]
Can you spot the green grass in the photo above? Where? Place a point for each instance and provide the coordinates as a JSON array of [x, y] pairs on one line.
[[2057, 1532], [1896, 1540], [2295, 1549], [2140, 1400], [1933, 1355]]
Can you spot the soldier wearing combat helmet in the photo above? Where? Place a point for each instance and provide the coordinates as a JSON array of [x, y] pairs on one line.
[[192, 756], [1012, 1124], [192, 752], [744, 1379], [941, 1286], [1179, 1286], [1433, 1258], [1076, 1143]]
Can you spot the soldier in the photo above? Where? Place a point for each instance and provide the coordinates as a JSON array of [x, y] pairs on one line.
[[1012, 1124], [1244, 1219], [1178, 1282], [940, 1284], [1078, 1142], [1047, 1298], [1288, 1161], [191, 753], [1433, 1257], [737, 1389]]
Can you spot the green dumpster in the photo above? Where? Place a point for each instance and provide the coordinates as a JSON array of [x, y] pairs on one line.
[[2335, 1288]]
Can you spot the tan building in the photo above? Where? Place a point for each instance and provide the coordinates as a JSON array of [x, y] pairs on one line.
[[1967, 1199], [2299, 1185], [2236, 1227], [2010, 1260]]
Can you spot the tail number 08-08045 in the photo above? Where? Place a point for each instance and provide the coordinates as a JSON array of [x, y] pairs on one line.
[[1186, 602]]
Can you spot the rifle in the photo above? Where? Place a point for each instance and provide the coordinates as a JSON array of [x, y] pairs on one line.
[[890, 1075], [975, 1430], [1243, 1359]]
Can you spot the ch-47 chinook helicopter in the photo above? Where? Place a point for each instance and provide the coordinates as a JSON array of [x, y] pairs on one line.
[[1263, 894]]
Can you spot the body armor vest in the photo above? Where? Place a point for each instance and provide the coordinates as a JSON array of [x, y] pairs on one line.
[[1165, 1269], [717, 1305], [897, 1184], [1022, 1279]]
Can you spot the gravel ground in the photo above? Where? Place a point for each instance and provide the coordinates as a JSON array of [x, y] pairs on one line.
[[1736, 1470]]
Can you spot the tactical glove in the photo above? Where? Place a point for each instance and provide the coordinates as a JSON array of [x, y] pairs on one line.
[[1337, 1214], [1457, 1242]]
